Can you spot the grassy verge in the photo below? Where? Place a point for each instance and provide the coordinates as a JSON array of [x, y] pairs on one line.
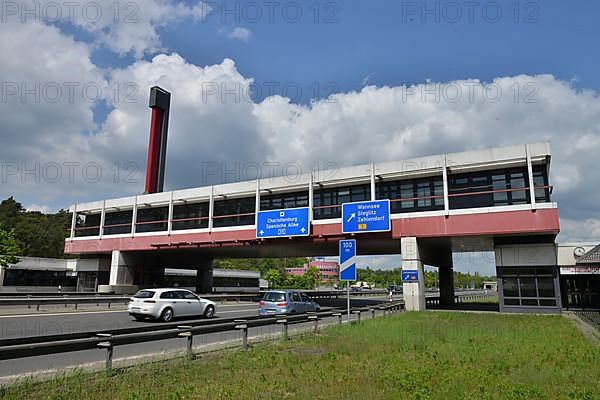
[[407, 356]]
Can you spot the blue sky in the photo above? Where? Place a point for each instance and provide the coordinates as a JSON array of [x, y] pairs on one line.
[[340, 51], [341, 46], [391, 42], [371, 39]]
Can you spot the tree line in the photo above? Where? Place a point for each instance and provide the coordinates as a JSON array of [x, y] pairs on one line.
[[383, 278], [34, 234]]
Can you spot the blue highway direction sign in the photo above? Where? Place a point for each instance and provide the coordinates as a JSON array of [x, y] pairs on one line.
[[283, 223], [410, 275], [348, 260], [366, 216]]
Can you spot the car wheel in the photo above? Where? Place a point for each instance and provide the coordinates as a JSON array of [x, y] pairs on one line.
[[318, 309], [167, 314], [209, 312]]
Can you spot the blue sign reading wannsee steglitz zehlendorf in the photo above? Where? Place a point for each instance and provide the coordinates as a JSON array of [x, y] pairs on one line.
[[366, 216], [283, 223]]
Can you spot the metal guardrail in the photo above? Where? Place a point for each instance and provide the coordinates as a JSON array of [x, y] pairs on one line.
[[54, 293], [108, 339], [592, 318], [77, 299], [461, 298], [472, 297], [38, 346], [66, 300]]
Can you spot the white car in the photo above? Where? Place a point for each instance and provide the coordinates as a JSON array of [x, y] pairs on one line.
[[166, 304]]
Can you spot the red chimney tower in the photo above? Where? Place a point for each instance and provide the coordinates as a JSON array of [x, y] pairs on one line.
[[160, 102]]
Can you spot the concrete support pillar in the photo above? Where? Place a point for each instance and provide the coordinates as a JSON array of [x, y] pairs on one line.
[[446, 275], [2, 276], [204, 277], [414, 292], [120, 272], [121, 275]]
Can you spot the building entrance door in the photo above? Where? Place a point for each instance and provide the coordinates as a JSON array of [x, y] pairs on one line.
[[581, 291]]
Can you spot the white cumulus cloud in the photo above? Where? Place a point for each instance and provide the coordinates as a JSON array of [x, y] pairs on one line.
[[123, 27], [214, 122], [240, 33]]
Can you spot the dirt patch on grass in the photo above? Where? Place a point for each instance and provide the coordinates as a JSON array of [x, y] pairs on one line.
[[586, 330], [308, 350]]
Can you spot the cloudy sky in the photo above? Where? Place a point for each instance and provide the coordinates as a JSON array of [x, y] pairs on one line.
[[309, 83]]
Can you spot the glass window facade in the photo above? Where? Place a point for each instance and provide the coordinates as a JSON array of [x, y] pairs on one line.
[[580, 291], [540, 183], [190, 216], [232, 282], [489, 188], [284, 200], [88, 225], [328, 202], [502, 187], [26, 277], [188, 281], [426, 194], [529, 286], [152, 219], [117, 222], [234, 212]]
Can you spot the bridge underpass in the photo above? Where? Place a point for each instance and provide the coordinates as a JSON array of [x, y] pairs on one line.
[[141, 269]]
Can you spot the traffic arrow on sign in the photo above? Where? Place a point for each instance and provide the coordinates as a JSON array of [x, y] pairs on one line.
[[283, 223]]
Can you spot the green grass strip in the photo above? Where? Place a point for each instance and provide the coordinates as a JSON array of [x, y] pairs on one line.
[[429, 355]]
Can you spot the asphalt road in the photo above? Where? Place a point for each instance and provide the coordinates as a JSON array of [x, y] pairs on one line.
[[48, 323], [51, 321]]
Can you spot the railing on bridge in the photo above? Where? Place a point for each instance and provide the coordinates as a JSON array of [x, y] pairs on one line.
[[488, 195]]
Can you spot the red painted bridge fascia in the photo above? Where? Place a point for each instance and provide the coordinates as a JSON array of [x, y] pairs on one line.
[[523, 222]]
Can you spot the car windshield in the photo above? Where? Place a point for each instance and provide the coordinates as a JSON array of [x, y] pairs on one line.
[[144, 294], [274, 296]]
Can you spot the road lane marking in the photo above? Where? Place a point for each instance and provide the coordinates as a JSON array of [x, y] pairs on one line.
[[101, 312], [42, 314], [58, 314]]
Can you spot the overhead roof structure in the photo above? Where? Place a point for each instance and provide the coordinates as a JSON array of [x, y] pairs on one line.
[[591, 257]]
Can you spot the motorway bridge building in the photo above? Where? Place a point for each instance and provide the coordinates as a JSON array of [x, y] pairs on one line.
[[485, 200]]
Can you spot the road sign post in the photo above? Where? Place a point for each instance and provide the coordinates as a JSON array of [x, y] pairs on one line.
[[283, 223], [348, 299], [348, 266], [366, 216]]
